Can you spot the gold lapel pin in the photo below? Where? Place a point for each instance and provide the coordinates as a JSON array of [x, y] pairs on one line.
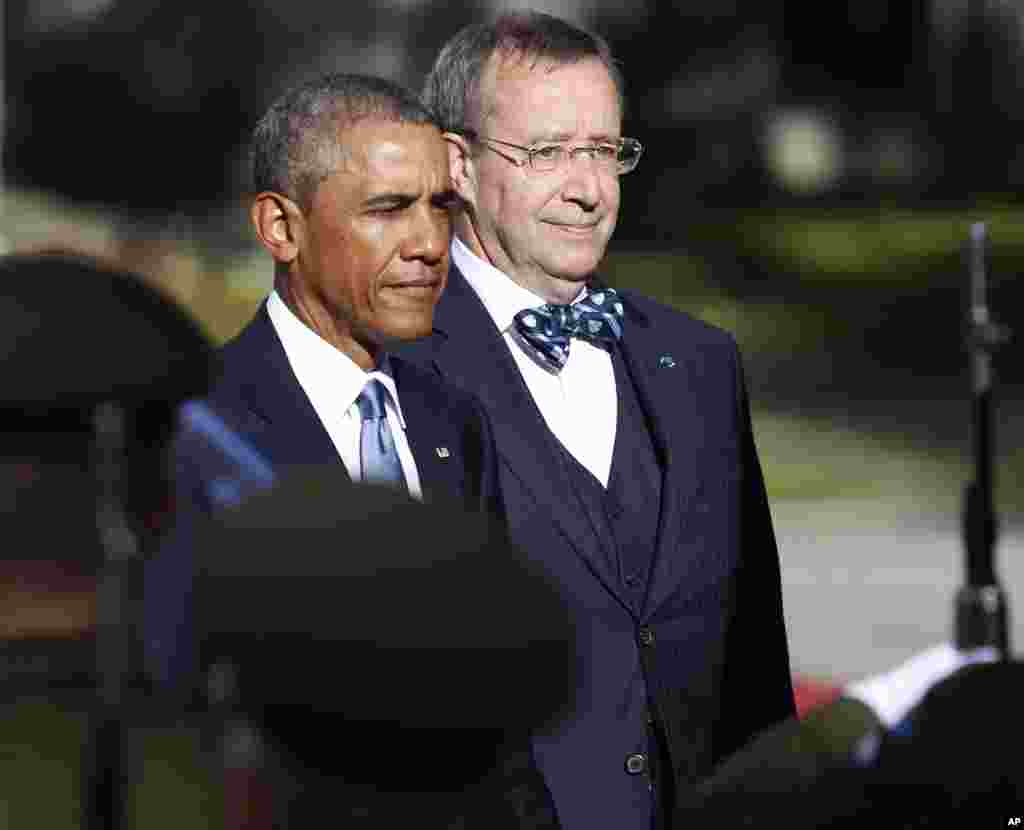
[[442, 452]]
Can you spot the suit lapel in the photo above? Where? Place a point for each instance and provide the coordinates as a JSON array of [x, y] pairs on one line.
[[665, 387], [434, 440], [281, 420], [469, 351]]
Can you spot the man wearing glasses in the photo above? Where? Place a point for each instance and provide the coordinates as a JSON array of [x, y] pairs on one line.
[[627, 462]]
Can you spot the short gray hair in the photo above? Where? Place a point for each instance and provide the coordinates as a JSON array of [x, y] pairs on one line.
[[294, 145], [452, 88]]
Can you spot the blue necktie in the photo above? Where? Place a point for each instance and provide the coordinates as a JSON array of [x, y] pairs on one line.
[[377, 451], [547, 329]]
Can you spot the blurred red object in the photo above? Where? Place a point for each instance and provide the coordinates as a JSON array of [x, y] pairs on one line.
[[47, 599], [248, 799], [813, 691]]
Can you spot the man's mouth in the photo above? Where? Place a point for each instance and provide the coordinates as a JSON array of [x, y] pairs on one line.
[[419, 289], [578, 228], [426, 281]]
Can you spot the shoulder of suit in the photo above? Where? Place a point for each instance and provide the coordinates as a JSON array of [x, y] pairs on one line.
[[676, 322], [236, 366], [428, 383], [236, 346]]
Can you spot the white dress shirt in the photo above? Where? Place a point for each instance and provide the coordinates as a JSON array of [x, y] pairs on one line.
[[892, 695], [579, 403], [332, 382]]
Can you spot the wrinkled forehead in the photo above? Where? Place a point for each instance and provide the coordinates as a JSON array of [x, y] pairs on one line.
[[515, 67]]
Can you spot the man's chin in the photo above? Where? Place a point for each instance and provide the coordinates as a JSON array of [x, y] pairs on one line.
[[404, 327], [575, 268]]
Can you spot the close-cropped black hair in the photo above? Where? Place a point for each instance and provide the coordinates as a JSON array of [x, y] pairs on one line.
[[289, 142]]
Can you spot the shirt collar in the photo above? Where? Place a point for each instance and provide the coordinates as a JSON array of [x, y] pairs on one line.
[[330, 378], [502, 297]]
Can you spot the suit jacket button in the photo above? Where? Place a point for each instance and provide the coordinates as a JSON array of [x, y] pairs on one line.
[[636, 763], [646, 636]]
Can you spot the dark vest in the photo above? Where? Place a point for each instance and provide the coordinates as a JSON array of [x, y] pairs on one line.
[[625, 515], [625, 518]]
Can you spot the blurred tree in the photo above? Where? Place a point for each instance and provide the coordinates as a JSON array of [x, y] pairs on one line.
[[145, 105]]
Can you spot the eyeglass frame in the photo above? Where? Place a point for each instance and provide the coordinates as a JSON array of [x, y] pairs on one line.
[[531, 152]]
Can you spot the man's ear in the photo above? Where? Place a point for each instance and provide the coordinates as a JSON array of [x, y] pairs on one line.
[[462, 167], [277, 221]]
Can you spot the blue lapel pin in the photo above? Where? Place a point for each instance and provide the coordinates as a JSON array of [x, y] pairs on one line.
[[442, 452], [666, 361]]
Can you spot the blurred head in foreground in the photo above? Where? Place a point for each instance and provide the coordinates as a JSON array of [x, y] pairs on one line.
[[92, 360], [390, 651]]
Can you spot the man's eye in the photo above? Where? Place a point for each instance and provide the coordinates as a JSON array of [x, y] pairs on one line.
[[447, 202], [606, 152], [549, 153]]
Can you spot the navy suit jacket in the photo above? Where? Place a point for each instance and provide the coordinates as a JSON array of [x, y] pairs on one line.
[[260, 401], [709, 645]]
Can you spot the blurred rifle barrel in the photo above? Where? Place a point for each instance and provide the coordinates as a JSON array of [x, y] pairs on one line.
[[981, 607], [105, 770]]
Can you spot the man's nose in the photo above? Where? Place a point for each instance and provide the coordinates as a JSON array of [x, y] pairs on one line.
[[583, 183], [429, 238]]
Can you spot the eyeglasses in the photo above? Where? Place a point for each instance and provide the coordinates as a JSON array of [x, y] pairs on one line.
[[614, 156]]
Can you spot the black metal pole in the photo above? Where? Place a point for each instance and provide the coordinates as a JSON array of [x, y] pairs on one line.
[[104, 770], [981, 607]]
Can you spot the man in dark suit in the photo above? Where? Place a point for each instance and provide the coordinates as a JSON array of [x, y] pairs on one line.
[[352, 201], [627, 462]]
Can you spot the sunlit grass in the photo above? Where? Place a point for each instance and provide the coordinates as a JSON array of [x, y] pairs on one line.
[[172, 784], [40, 757], [888, 246], [813, 458], [178, 784]]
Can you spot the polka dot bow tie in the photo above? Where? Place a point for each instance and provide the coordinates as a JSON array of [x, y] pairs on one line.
[[547, 328]]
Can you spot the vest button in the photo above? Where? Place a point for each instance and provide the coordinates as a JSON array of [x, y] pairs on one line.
[[636, 763], [646, 636]]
